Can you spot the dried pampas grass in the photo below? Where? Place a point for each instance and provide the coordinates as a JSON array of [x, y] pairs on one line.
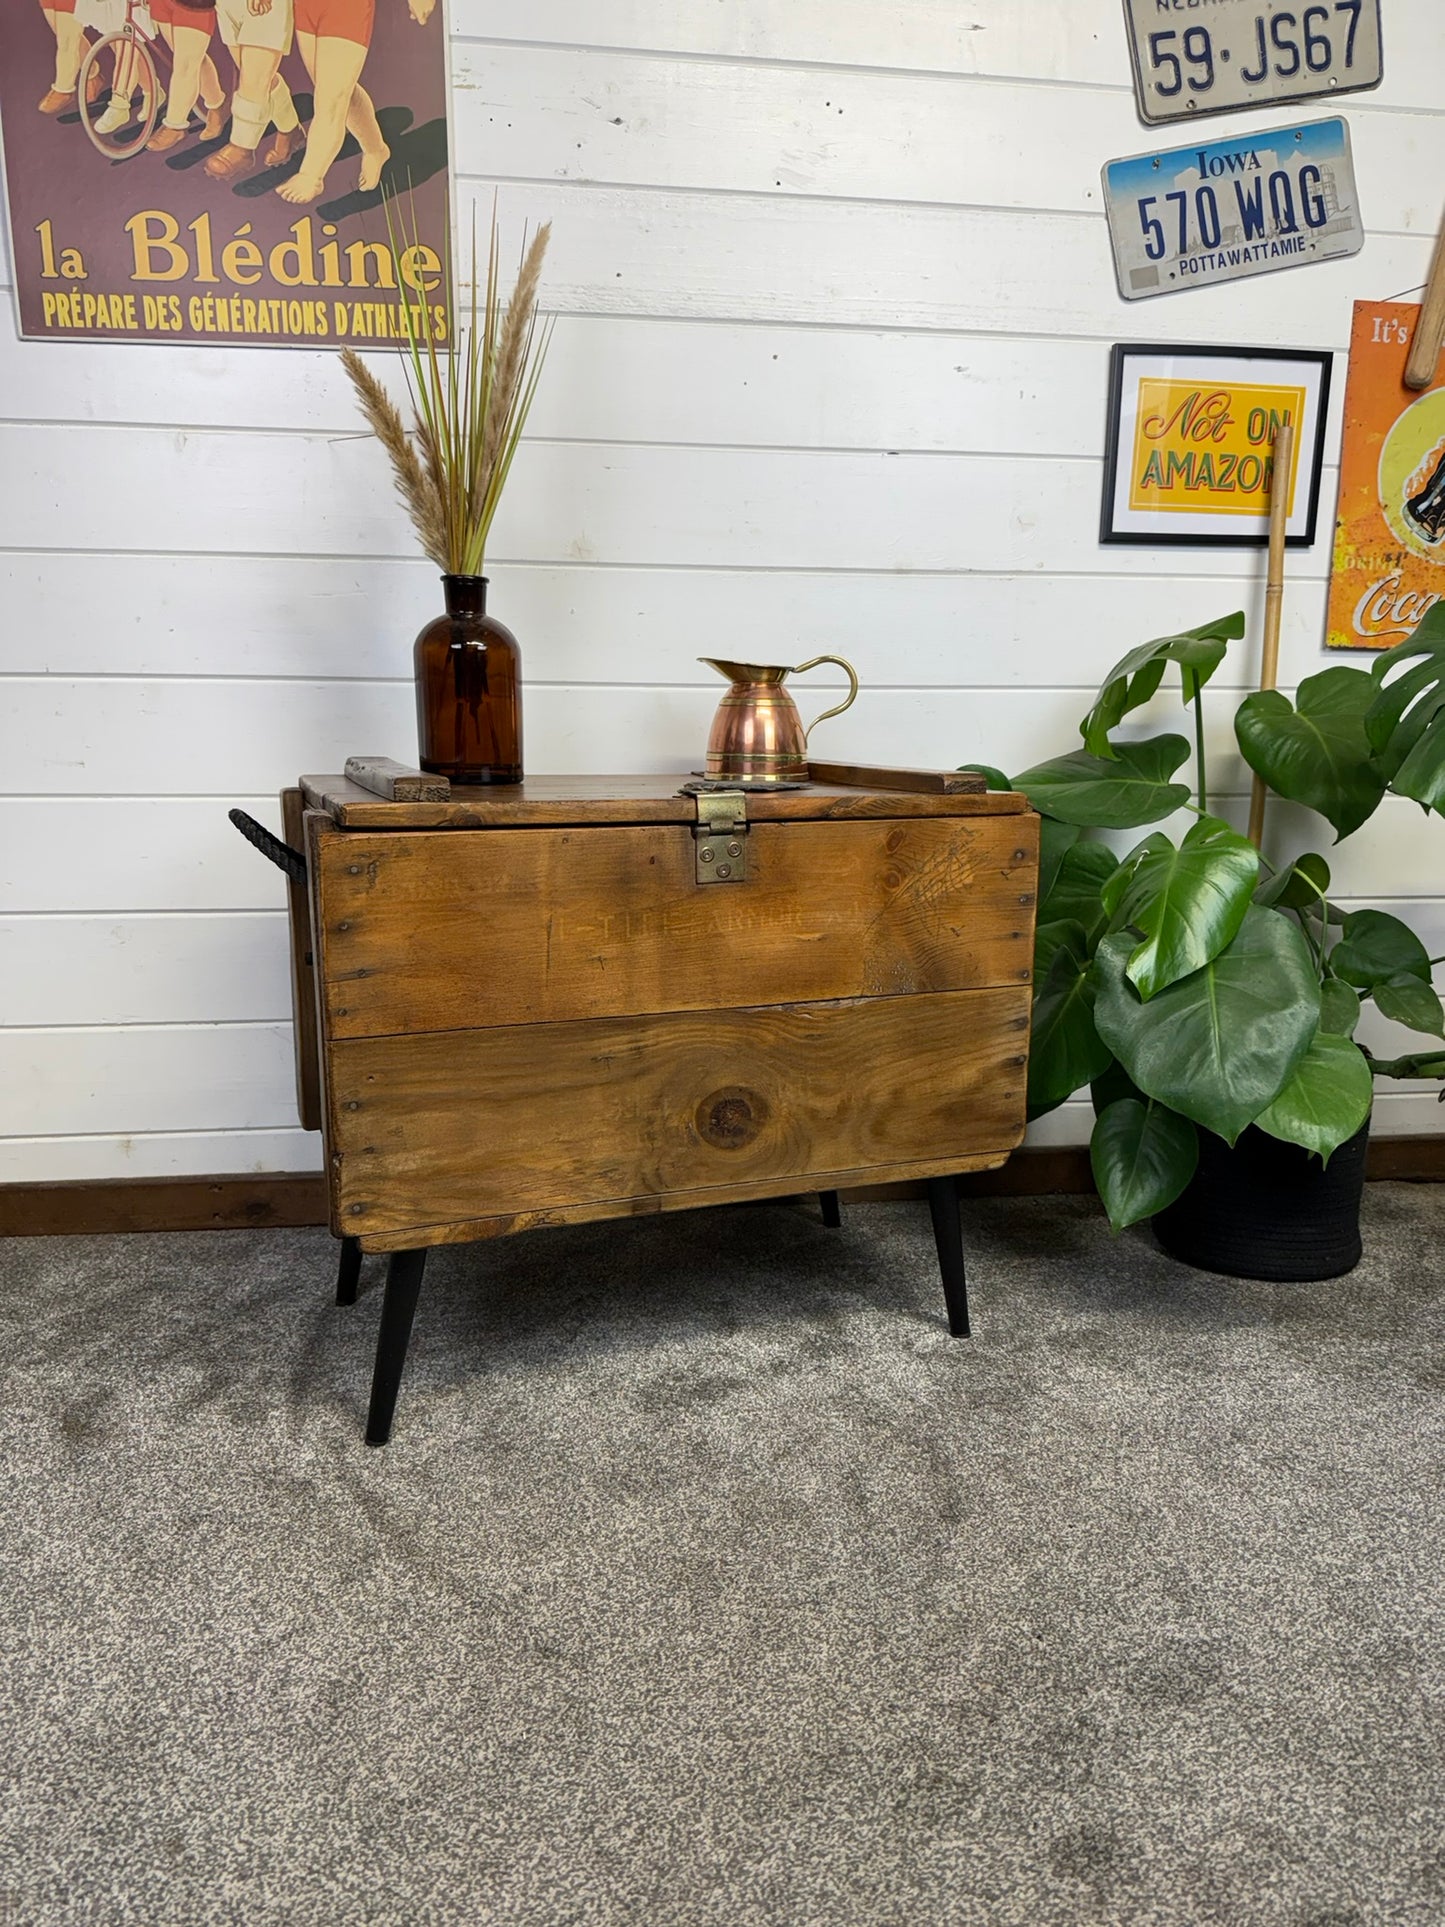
[[416, 489], [470, 401], [513, 344]]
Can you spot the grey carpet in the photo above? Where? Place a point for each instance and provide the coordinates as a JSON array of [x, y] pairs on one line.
[[706, 1580]]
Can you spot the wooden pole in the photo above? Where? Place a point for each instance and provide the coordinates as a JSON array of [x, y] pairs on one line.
[[1273, 597], [1425, 344]]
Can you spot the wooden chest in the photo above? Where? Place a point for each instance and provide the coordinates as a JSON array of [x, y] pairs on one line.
[[571, 1000]]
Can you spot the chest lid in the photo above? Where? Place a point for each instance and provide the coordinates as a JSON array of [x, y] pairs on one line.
[[834, 791]]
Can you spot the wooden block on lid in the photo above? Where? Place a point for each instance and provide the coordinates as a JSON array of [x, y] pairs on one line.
[[395, 781]]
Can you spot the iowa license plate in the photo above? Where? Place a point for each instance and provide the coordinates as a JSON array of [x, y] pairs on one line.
[[1207, 56], [1191, 216]]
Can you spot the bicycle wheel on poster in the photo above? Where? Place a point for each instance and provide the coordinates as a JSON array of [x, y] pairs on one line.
[[120, 95]]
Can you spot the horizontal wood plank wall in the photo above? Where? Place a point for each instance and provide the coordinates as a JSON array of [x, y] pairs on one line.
[[835, 305]]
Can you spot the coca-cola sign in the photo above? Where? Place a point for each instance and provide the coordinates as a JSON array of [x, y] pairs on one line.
[[1389, 561], [1388, 612]]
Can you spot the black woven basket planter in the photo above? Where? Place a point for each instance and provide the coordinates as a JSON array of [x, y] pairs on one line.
[[1269, 1210]]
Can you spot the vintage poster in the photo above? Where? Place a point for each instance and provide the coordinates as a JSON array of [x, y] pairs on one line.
[[227, 172], [1389, 563], [1190, 455]]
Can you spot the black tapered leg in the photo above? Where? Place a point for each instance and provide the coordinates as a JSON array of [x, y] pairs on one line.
[[348, 1274], [832, 1210], [398, 1308], [948, 1236]]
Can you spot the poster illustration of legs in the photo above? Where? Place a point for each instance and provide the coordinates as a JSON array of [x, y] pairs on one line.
[[225, 172]]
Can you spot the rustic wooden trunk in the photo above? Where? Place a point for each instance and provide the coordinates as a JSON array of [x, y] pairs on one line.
[[537, 1005]]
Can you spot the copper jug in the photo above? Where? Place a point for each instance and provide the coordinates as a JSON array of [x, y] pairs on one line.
[[757, 734]]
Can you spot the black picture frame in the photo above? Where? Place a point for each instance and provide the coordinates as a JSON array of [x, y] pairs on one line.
[[1304, 523]]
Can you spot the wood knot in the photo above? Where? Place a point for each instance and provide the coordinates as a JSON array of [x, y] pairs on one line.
[[730, 1119]]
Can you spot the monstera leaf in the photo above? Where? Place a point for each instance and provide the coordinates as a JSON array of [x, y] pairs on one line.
[[1078, 887], [1326, 1100], [1134, 679], [1316, 751], [1050, 938], [1220, 1044], [1340, 1007], [1406, 723], [1188, 901], [1143, 1155], [1055, 841], [1300, 886], [1111, 1085], [1065, 1050], [1377, 947], [1118, 795], [1405, 1000]]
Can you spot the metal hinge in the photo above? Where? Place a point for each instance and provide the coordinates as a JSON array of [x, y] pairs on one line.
[[721, 836]]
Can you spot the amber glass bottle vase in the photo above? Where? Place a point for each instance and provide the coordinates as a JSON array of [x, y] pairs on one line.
[[469, 690]]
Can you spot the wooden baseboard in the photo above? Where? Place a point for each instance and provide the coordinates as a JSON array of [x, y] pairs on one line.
[[1407, 1160], [1035, 1173], [163, 1204], [282, 1199]]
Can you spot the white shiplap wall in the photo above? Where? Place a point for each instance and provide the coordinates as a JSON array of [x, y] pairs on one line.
[[837, 301]]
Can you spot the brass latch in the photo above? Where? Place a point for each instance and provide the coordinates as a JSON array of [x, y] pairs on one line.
[[721, 836]]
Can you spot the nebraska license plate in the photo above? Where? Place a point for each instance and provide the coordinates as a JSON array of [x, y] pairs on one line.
[[1208, 56], [1191, 216]]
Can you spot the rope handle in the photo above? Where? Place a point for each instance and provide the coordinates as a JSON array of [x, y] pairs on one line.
[[271, 847]]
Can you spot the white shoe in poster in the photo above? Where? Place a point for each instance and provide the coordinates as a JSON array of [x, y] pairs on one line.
[[117, 113]]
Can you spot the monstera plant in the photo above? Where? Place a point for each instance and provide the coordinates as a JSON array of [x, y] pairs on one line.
[[1190, 984]]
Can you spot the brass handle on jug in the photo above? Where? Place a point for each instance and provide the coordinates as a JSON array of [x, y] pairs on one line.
[[838, 708]]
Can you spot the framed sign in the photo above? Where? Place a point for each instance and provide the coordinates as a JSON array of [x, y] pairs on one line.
[[1389, 563], [1248, 53], [1190, 216], [1190, 455], [223, 173]]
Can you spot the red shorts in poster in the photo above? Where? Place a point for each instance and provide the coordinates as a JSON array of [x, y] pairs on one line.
[[225, 170]]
